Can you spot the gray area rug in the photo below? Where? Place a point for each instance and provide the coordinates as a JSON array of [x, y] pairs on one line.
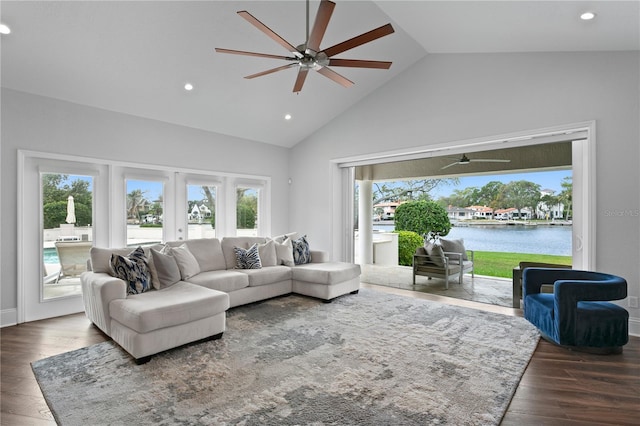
[[366, 359]]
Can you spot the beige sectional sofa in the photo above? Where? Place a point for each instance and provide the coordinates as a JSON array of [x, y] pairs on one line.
[[194, 283]]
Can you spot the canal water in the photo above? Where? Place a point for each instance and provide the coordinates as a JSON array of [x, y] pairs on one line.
[[540, 239]]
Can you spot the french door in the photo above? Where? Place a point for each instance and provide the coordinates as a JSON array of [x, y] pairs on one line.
[[66, 205], [56, 229]]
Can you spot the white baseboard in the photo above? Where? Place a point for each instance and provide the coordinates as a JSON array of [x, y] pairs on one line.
[[8, 317]]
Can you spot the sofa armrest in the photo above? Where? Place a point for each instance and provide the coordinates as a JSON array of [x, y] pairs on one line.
[[98, 290], [319, 256]]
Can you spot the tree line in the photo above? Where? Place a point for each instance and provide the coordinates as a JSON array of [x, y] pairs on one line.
[[516, 194], [496, 195]]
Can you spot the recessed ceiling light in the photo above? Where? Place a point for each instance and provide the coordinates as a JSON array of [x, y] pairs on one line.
[[4, 29], [287, 117], [188, 87], [587, 16]]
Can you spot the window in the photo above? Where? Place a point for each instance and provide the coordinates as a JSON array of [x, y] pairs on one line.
[[67, 217], [116, 204], [201, 211], [145, 212], [247, 211]]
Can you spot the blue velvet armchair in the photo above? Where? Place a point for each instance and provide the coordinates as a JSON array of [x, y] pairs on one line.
[[577, 315]]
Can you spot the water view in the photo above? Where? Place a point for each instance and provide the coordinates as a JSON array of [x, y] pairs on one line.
[[540, 239]]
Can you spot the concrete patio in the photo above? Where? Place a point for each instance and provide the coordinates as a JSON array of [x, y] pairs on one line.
[[483, 289]]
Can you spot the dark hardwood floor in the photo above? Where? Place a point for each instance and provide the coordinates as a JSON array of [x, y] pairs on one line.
[[559, 387]]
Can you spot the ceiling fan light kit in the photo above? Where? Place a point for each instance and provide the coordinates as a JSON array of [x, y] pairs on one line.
[[308, 55]]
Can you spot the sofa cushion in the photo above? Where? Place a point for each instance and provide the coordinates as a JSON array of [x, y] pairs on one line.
[[186, 261], [325, 273], [179, 304], [207, 251], [166, 267], [101, 260], [270, 275], [248, 258], [228, 243], [133, 270], [226, 280], [301, 252]]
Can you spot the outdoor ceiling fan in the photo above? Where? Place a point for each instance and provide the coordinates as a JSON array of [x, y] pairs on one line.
[[308, 55], [465, 160]]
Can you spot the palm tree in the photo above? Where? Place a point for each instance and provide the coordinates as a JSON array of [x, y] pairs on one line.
[[135, 201], [566, 195]]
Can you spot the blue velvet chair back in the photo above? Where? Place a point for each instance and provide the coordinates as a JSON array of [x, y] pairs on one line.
[[579, 313]]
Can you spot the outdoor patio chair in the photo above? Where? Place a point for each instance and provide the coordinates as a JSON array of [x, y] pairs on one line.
[[578, 314], [433, 262], [73, 258]]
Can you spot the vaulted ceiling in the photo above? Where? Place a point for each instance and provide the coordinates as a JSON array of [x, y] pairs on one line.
[[135, 57]]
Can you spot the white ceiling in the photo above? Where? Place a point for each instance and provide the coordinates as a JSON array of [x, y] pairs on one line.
[[134, 57]]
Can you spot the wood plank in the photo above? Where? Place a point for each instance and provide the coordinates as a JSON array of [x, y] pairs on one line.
[[559, 387]]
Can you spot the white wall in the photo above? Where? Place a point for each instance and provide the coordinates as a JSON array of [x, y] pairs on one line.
[[43, 124], [448, 98]]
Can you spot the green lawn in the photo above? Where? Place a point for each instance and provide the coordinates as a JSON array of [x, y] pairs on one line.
[[498, 264]]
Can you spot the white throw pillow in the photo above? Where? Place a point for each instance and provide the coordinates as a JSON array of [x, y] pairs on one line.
[[267, 252], [284, 252], [166, 267], [186, 261], [282, 238]]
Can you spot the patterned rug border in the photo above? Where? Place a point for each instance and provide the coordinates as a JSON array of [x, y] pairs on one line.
[[56, 374]]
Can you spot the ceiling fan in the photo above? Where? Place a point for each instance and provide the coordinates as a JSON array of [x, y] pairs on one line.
[[465, 160], [308, 55]]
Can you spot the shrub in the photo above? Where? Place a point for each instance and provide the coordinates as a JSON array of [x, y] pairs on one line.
[[422, 217], [55, 213], [408, 242]]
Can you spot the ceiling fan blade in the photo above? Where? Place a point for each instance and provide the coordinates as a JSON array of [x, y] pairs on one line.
[[331, 74], [320, 26], [359, 40], [449, 165], [302, 75], [357, 63], [487, 160], [269, 32], [261, 55], [260, 74]]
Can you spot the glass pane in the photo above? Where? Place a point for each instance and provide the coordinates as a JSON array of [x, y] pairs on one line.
[[67, 216], [247, 212], [145, 208], [201, 211]]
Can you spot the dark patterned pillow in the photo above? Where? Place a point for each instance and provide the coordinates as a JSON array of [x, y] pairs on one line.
[[133, 270], [248, 259], [301, 252]]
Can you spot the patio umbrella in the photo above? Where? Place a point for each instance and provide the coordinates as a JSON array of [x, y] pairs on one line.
[[71, 210]]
